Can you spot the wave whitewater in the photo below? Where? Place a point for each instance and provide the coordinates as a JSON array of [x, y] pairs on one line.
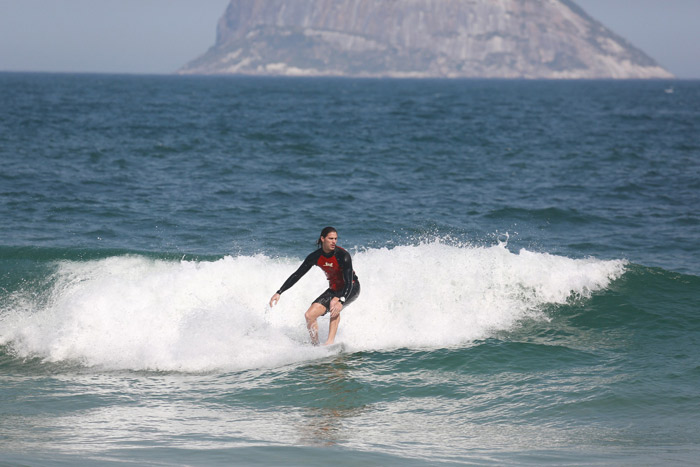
[[138, 313]]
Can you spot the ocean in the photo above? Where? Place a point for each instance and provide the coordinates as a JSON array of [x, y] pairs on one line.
[[528, 253]]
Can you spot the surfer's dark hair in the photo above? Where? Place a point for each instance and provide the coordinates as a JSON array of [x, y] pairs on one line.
[[324, 233]]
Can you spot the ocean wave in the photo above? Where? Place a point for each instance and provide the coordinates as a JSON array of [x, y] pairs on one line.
[[143, 313]]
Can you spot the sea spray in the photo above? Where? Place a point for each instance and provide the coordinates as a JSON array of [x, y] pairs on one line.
[[436, 295], [131, 312]]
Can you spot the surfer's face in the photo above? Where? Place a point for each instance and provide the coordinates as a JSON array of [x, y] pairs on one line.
[[328, 242]]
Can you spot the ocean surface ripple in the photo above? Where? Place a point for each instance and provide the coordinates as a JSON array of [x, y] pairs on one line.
[[527, 251]]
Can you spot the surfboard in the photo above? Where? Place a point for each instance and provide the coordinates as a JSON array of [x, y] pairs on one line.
[[335, 348]]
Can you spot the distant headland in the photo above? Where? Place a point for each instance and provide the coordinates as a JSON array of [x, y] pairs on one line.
[[537, 39]]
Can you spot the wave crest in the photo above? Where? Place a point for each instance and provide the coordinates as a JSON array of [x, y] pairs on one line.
[[132, 312]]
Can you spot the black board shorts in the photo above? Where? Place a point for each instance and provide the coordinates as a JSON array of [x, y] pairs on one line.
[[326, 297]]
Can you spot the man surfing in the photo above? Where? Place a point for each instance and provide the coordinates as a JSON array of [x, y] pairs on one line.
[[343, 285]]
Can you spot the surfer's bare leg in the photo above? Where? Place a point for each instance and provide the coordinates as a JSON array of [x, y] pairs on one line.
[[335, 307], [311, 315], [332, 328]]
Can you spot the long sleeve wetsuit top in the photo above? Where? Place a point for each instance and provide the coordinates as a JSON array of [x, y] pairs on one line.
[[337, 265]]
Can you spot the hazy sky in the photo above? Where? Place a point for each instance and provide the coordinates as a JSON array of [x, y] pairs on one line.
[[159, 36]]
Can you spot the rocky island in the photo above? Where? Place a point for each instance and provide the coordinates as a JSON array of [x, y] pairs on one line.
[[538, 39]]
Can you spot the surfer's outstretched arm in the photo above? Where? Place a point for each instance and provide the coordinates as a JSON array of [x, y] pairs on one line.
[[291, 280]]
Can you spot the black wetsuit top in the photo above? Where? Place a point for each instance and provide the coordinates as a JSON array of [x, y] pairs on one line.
[[338, 268]]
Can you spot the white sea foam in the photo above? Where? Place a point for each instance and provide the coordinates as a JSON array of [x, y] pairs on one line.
[[137, 313]]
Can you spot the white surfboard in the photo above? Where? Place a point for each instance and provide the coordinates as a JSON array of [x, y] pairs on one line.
[[335, 348]]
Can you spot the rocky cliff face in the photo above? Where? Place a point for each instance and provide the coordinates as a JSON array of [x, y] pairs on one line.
[[419, 38]]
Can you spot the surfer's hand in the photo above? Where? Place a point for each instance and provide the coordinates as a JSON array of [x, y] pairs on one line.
[[275, 298], [336, 306]]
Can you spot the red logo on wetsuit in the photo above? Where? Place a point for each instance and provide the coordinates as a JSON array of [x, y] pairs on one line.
[[333, 272]]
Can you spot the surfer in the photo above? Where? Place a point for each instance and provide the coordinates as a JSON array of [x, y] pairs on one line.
[[343, 285]]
